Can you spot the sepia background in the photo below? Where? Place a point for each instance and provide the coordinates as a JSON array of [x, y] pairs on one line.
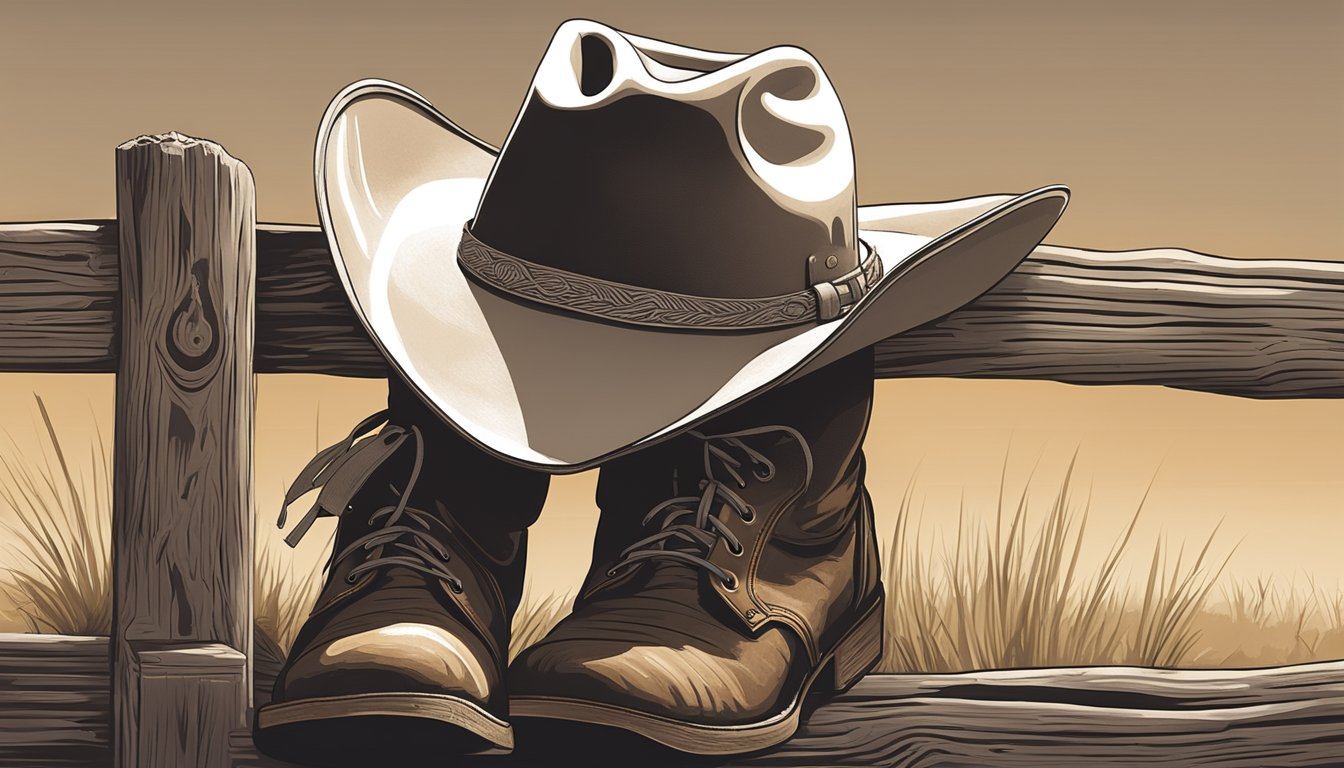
[[1214, 126]]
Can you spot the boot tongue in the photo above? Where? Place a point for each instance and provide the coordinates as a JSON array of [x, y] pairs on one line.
[[393, 578], [664, 574]]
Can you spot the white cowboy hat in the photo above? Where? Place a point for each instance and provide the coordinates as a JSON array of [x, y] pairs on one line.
[[665, 233]]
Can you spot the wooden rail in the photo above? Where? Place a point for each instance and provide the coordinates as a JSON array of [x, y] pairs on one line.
[[1096, 717], [1256, 328], [55, 701]]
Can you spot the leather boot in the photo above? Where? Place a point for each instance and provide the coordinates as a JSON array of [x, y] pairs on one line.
[[735, 570], [405, 650]]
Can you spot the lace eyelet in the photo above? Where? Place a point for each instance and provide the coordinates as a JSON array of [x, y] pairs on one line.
[[611, 573], [350, 578], [456, 586], [729, 584], [749, 516], [764, 476], [735, 551]]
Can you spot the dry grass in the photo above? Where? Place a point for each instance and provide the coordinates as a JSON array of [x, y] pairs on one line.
[[282, 595], [1268, 621], [56, 568], [57, 535], [535, 617], [1007, 592]]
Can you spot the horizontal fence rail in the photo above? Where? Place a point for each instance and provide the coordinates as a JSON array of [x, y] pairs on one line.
[[1254, 328], [56, 690]]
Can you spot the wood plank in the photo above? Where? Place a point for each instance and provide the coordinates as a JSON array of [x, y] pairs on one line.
[[182, 516], [1100, 717], [1266, 329], [55, 701], [304, 320], [1093, 716], [1146, 688], [1269, 328], [956, 732], [190, 697], [58, 312], [19, 649]]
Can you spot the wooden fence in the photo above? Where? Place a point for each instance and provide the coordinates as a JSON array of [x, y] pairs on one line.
[[184, 297]]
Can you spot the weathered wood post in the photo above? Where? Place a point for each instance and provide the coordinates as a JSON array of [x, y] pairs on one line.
[[182, 501]]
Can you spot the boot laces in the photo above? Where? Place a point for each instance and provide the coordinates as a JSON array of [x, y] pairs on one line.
[[690, 526], [407, 534]]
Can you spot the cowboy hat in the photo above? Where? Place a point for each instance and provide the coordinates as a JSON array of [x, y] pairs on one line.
[[665, 233]]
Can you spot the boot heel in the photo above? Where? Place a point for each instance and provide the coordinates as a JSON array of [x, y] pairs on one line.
[[858, 652]]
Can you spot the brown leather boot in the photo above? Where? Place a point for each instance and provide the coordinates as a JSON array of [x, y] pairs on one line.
[[735, 570], [405, 650]]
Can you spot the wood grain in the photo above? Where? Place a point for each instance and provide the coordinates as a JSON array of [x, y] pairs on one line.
[[1097, 717], [304, 320], [1255, 328], [55, 705], [1092, 716], [1170, 317], [182, 515], [190, 697], [58, 296]]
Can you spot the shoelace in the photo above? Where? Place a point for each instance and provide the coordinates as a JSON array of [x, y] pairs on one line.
[[341, 470], [690, 523]]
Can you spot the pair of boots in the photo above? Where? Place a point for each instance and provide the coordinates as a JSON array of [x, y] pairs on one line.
[[734, 571]]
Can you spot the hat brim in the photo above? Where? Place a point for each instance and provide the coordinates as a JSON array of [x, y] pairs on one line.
[[562, 392]]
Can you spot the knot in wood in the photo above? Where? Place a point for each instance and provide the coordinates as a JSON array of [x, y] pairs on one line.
[[191, 329]]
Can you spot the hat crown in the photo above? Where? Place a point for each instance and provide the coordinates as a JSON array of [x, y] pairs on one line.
[[651, 164]]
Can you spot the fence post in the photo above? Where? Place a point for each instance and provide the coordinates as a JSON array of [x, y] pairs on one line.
[[182, 498]]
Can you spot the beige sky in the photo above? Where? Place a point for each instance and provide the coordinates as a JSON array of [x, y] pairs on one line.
[[1209, 125]]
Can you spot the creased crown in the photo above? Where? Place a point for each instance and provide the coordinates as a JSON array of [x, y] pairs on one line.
[[644, 162], [786, 118]]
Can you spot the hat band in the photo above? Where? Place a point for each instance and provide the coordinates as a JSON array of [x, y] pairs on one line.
[[639, 305]]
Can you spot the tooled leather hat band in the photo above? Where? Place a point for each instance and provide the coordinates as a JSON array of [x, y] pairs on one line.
[[639, 305]]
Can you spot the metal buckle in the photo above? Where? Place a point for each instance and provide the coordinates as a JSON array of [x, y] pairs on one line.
[[836, 297]]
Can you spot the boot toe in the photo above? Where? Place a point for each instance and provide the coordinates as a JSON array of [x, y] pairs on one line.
[[405, 657], [688, 681]]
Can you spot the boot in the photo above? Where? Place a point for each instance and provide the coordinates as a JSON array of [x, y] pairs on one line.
[[735, 571], [405, 650]]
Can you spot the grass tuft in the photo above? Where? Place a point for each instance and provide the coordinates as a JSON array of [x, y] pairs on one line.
[[535, 617], [282, 596], [57, 535], [57, 566], [1008, 595]]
